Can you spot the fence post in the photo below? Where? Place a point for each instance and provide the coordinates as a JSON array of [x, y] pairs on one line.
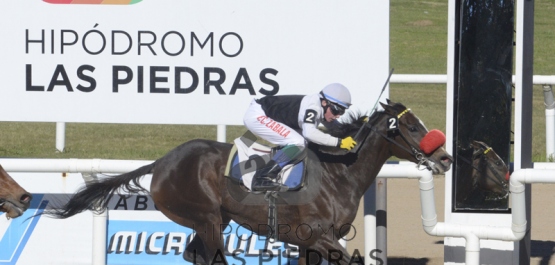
[[60, 136], [221, 133], [381, 220], [549, 122], [370, 223]]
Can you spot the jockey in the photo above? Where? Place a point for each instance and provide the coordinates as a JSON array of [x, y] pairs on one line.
[[291, 120]]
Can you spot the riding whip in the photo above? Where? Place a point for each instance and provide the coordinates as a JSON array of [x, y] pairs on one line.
[[383, 89]]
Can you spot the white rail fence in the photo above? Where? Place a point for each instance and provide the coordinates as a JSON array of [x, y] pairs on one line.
[[442, 79]]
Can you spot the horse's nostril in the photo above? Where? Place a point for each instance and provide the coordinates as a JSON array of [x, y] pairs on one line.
[[446, 159], [26, 198]]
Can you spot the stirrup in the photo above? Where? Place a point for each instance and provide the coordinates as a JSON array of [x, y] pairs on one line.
[[266, 184]]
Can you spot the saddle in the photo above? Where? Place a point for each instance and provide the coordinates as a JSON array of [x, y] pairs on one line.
[[247, 156]]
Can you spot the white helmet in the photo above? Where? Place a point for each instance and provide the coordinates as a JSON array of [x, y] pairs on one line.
[[338, 94]]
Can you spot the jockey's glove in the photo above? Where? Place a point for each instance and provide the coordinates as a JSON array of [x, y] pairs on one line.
[[347, 143]]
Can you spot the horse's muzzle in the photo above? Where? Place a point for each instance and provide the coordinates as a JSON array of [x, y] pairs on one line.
[[442, 166], [14, 209]]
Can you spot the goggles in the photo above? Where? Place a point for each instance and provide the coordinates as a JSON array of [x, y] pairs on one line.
[[336, 109]]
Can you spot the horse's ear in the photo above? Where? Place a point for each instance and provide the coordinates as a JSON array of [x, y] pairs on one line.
[[476, 147], [387, 108], [390, 102], [477, 152], [482, 145], [479, 148]]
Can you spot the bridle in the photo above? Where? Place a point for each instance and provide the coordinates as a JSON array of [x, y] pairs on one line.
[[393, 131]]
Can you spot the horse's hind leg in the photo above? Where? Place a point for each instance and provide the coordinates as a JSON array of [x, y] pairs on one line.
[[207, 238], [194, 252], [214, 252]]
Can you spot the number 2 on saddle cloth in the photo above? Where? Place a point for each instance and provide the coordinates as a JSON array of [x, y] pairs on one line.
[[247, 156]]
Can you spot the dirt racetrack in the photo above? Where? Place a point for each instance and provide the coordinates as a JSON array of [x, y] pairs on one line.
[[408, 244]]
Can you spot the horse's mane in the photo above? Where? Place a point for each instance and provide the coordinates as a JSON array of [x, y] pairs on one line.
[[343, 130], [350, 129]]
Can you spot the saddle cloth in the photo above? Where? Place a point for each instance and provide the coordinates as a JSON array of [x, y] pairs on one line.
[[247, 156]]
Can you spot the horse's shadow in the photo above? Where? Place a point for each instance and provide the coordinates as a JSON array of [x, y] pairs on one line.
[[390, 261], [539, 249], [407, 261], [543, 250]]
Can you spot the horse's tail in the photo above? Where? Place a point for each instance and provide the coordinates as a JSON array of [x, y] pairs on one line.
[[96, 195]]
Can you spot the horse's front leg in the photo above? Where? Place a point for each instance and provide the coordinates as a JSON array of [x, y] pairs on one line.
[[302, 257]]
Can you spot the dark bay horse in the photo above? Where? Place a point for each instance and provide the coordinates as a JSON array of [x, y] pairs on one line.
[[189, 187], [14, 200]]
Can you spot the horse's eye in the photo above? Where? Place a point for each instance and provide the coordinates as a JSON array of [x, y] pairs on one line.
[[413, 129]]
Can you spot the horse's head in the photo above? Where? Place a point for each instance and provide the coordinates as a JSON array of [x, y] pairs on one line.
[[412, 141], [14, 200], [490, 174]]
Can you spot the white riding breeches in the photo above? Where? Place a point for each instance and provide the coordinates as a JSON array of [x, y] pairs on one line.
[[270, 130]]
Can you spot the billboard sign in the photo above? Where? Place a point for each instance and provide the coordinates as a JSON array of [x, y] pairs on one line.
[[183, 62]]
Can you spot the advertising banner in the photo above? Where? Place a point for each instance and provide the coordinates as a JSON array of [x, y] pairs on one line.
[[183, 62]]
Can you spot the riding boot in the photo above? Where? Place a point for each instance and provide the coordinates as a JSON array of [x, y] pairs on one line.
[[263, 179]]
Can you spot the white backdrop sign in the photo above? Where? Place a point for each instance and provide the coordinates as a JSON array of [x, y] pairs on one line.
[[183, 61]]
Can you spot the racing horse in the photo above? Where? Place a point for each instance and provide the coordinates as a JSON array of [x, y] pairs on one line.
[[14, 200], [189, 187]]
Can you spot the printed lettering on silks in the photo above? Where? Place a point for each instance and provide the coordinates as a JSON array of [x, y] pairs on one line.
[[144, 43], [274, 125]]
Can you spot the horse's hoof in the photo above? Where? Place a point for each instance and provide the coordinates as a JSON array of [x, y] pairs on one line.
[[190, 257]]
